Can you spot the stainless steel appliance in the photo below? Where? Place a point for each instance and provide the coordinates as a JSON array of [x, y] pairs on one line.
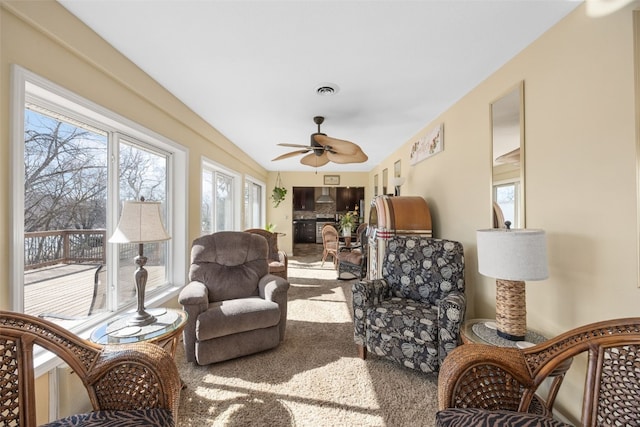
[[321, 221]]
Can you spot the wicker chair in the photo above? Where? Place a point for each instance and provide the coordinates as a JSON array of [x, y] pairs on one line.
[[330, 243], [482, 385], [128, 384], [352, 263]]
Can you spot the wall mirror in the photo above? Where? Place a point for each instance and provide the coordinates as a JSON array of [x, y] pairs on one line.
[[507, 159]]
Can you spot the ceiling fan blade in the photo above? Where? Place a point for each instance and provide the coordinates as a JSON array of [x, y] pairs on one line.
[[339, 146], [358, 157], [294, 145], [315, 161], [290, 154]]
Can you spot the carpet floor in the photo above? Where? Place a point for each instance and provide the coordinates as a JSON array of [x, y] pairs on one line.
[[314, 378]]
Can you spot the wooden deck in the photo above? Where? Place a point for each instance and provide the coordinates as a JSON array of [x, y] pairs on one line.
[[67, 289]]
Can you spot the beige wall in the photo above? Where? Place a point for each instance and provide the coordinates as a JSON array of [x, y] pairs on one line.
[[580, 175]]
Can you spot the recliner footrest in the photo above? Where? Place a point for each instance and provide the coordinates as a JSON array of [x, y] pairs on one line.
[[235, 316]]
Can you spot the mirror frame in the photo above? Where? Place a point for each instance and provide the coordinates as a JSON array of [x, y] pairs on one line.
[[519, 88], [636, 49]]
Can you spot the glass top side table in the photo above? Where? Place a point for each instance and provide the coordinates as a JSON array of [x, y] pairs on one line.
[[165, 331], [477, 331]]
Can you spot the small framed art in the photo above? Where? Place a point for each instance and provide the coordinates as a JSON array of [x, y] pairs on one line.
[[332, 180]]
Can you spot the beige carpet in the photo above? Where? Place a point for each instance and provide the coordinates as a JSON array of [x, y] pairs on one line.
[[314, 378]]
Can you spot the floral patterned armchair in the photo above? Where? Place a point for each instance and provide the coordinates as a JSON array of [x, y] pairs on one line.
[[414, 313]]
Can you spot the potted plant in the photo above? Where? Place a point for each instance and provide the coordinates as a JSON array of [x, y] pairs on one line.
[[347, 223], [278, 195]]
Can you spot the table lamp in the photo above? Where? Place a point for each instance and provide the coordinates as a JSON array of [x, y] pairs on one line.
[[512, 256], [140, 223], [397, 183]]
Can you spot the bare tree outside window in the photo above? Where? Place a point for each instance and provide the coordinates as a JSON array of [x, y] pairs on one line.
[[216, 210], [65, 211], [65, 197], [143, 173]]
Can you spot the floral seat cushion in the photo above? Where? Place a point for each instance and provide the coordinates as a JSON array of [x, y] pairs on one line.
[[402, 318], [404, 331]]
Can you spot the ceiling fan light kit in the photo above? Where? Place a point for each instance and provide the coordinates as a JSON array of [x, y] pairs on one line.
[[324, 149]]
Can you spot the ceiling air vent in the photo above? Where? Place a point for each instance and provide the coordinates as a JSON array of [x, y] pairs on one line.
[[327, 89]]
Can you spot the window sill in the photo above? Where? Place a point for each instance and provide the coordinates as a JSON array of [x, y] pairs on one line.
[[44, 361]]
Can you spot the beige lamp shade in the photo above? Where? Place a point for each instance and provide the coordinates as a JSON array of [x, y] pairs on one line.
[[398, 181], [519, 254], [140, 222]]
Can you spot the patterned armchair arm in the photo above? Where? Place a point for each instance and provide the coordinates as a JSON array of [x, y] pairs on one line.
[[366, 293], [450, 316]]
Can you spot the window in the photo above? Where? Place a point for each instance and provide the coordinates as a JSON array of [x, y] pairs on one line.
[[142, 172], [253, 204], [220, 198], [74, 165], [507, 196]]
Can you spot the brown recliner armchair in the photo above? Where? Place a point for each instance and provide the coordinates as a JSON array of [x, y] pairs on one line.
[[483, 385], [127, 384], [235, 306], [278, 261]]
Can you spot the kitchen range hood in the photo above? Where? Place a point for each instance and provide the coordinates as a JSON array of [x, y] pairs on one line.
[[325, 197]]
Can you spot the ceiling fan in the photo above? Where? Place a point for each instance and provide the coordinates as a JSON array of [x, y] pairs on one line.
[[324, 149]]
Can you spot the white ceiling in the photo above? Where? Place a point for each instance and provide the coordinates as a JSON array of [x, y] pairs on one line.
[[251, 68]]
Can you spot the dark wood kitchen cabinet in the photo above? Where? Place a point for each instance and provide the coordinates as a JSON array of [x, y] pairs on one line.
[[303, 198], [304, 231], [347, 198]]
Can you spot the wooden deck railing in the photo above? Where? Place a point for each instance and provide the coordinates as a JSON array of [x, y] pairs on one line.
[[44, 248]]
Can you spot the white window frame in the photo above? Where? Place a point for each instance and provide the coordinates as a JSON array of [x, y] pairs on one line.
[[517, 198], [26, 85], [263, 201], [210, 165]]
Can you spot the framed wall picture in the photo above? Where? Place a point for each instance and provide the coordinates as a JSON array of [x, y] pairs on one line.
[[428, 145], [332, 180]]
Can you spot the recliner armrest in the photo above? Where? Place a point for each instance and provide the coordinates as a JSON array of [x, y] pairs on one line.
[[451, 311], [194, 293], [272, 287], [367, 293]]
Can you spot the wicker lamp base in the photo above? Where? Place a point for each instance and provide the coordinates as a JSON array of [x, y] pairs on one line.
[[511, 309]]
